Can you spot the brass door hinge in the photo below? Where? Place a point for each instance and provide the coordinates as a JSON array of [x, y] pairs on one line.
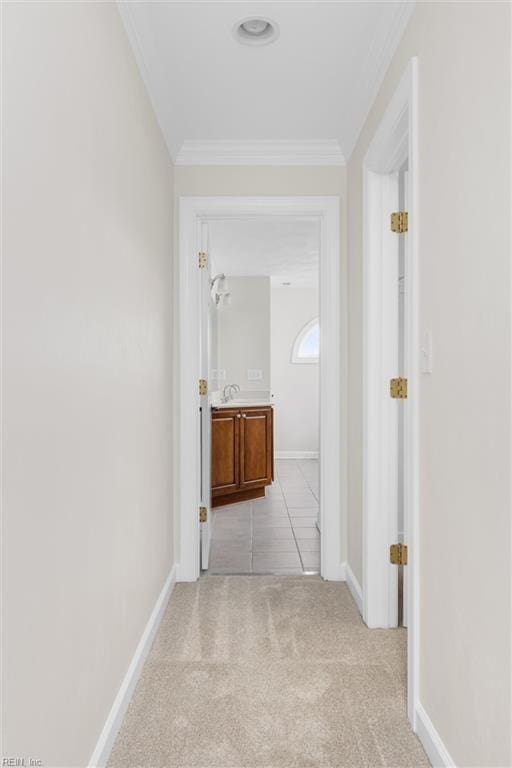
[[398, 389], [202, 259], [203, 514], [398, 554], [400, 222], [203, 387]]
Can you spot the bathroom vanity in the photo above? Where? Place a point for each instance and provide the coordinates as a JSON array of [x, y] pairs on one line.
[[242, 452]]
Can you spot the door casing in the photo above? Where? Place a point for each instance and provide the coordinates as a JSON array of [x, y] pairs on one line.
[[333, 387], [395, 141]]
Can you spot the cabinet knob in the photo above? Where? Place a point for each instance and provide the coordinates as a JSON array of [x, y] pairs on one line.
[[238, 415], [244, 415]]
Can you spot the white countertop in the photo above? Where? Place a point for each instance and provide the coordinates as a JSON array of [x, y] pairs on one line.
[[235, 403]]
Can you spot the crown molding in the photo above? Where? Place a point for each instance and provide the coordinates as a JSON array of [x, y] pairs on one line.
[[220, 152], [377, 64], [125, 9]]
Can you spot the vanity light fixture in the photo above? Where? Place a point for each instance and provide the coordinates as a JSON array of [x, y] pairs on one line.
[[221, 277], [256, 30], [221, 293]]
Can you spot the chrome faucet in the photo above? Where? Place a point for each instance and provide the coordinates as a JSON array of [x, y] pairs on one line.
[[227, 392]]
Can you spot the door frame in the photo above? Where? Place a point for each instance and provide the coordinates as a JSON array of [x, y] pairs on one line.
[[205, 528], [395, 140], [333, 385]]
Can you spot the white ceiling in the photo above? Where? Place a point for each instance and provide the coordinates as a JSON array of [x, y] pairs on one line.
[[316, 82], [284, 248]]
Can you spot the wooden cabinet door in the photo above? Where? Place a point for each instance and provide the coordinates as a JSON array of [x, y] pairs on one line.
[[225, 452], [255, 448]]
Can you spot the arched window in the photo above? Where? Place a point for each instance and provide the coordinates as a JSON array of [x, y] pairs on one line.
[[306, 348]]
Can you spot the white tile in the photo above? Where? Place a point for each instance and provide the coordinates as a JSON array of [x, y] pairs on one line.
[[309, 545], [270, 514], [271, 522], [300, 501], [269, 505], [306, 533], [220, 551], [265, 560], [232, 510], [266, 534], [220, 534], [237, 561], [275, 545], [273, 490], [303, 511], [227, 522], [224, 530], [296, 490], [303, 522], [310, 560]]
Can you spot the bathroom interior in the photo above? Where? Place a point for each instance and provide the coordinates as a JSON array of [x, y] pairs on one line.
[[263, 360]]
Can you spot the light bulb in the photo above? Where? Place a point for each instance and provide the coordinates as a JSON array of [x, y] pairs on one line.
[[255, 27]]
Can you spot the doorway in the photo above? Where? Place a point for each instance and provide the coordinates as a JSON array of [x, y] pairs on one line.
[[390, 376], [263, 396], [190, 403]]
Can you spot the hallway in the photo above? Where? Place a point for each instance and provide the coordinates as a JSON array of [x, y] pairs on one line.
[[268, 671], [271, 216]]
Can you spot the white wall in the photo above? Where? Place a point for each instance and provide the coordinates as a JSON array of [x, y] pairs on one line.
[[213, 347], [465, 299], [295, 387], [243, 332], [86, 373]]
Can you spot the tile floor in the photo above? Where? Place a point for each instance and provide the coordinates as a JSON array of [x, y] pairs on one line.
[[277, 534]]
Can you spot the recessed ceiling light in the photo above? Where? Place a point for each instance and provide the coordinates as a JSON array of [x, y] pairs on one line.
[[285, 283], [256, 30]]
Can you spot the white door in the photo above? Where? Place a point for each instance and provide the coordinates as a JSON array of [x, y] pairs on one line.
[[403, 346], [204, 399], [397, 311]]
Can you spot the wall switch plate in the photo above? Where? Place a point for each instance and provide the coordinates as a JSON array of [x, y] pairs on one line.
[[426, 353], [254, 374]]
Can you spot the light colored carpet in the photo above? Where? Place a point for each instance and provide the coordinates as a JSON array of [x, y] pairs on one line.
[[269, 672]]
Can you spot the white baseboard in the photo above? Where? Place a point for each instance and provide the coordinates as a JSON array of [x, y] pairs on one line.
[[183, 575], [431, 741], [336, 574], [99, 757], [355, 588], [296, 454]]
